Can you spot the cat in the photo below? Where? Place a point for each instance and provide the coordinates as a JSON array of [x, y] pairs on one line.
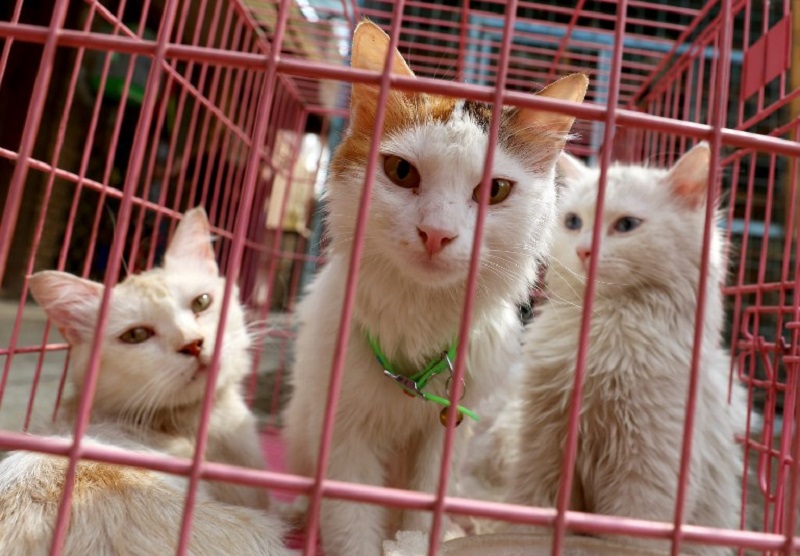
[[640, 348], [121, 510], [412, 282], [150, 387]]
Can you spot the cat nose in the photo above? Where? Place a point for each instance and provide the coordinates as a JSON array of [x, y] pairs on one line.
[[435, 239], [193, 348], [584, 253]]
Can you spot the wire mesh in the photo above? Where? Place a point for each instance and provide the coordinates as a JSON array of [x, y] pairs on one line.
[[119, 115]]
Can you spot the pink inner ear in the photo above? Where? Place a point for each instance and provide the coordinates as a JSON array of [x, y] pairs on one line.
[[197, 254], [78, 332], [70, 302], [191, 242], [689, 176], [691, 185]]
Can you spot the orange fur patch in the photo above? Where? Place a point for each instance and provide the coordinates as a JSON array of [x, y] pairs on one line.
[[403, 110], [91, 476], [533, 143]]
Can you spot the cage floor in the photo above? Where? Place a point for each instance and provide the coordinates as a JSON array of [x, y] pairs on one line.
[[496, 545]]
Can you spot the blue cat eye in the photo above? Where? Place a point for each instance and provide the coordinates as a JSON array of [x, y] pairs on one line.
[[626, 224], [572, 221]]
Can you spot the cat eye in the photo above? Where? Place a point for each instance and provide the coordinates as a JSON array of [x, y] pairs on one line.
[[501, 188], [626, 224], [201, 303], [137, 335], [401, 171], [572, 221]]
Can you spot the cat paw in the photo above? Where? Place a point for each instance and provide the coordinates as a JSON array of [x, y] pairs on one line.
[[407, 543]]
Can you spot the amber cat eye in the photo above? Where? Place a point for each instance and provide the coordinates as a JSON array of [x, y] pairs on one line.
[[500, 190], [401, 171], [137, 335], [201, 303]]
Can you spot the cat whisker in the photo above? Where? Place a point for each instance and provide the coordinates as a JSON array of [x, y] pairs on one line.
[[502, 271], [555, 270], [582, 277], [256, 331], [558, 301], [140, 408]]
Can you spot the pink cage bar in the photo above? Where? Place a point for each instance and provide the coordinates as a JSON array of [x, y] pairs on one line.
[[118, 115]]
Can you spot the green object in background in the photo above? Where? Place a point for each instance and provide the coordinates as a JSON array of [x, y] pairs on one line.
[[118, 67]]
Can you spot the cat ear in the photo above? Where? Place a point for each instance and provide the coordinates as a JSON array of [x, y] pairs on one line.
[[191, 244], [569, 168], [370, 47], [689, 177], [571, 88], [69, 301]]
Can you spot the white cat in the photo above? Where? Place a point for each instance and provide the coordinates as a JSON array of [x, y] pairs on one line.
[[154, 361], [412, 283], [641, 339]]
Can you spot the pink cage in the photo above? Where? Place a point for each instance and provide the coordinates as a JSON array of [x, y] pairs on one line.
[[118, 115]]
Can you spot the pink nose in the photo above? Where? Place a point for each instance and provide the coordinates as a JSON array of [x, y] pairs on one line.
[[584, 253], [193, 348], [435, 239]]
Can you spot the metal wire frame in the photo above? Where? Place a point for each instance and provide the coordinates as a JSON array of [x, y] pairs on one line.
[[127, 196], [762, 225], [271, 66]]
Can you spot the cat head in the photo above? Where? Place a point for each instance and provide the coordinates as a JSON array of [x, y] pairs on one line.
[[425, 195], [161, 328], [652, 229]]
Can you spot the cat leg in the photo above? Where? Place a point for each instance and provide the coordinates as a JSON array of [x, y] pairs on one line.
[[644, 486], [651, 495], [426, 467], [350, 528], [536, 473], [233, 439]]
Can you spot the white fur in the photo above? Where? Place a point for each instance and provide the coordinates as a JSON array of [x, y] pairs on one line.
[[149, 395], [412, 303], [640, 347], [450, 159]]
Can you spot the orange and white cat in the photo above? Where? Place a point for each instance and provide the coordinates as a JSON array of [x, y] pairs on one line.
[[156, 348], [412, 282]]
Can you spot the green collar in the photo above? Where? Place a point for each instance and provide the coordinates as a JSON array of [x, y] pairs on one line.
[[414, 384]]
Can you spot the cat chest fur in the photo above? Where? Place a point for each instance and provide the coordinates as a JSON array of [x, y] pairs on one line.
[[629, 367]]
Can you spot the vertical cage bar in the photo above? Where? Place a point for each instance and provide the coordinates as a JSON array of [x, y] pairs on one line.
[[12, 344], [718, 117], [472, 277], [609, 132], [13, 200], [248, 193], [115, 257], [337, 367]]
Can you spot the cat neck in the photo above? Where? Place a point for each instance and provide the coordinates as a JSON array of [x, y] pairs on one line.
[[412, 323], [660, 307], [179, 421]]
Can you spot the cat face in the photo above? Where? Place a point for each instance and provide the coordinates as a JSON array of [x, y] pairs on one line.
[[161, 329], [425, 195], [652, 229]]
